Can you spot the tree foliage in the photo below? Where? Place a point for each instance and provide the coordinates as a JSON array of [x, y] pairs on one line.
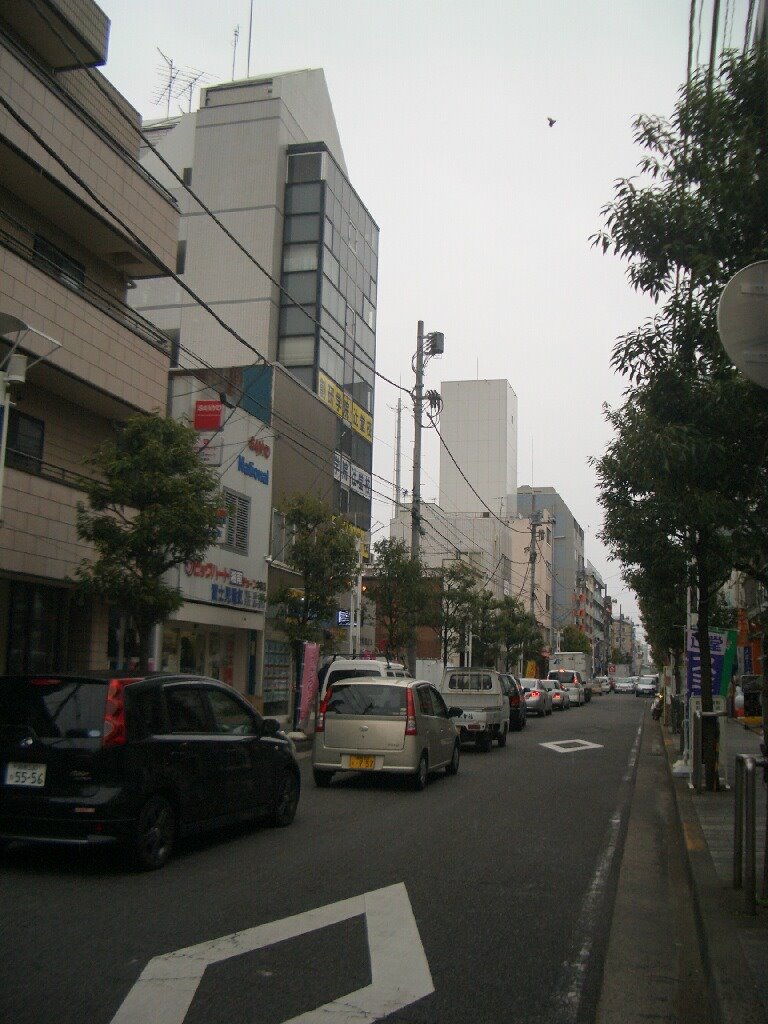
[[519, 635], [400, 592], [454, 607], [323, 552], [153, 505], [573, 639]]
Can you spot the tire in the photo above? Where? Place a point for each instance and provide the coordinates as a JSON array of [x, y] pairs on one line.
[[452, 768], [501, 738], [420, 779], [154, 834], [287, 799], [322, 779]]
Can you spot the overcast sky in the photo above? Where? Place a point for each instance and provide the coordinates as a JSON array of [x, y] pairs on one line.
[[485, 210]]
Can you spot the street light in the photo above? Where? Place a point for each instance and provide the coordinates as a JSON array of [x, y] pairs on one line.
[[435, 346], [13, 375]]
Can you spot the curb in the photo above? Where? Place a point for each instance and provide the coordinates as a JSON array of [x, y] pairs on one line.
[[732, 988]]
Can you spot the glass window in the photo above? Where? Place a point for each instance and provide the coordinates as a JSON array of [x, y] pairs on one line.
[[441, 708], [299, 257], [181, 256], [304, 374], [229, 715], [302, 288], [295, 320], [303, 228], [304, 167], [303, 198], [422, 693], [54, 708], [369, 314], [367, 699], [299, 351], [146, 713], [276, 687], [70, 272], [331, 266], [328, 232], [25, 442], [186, 710]]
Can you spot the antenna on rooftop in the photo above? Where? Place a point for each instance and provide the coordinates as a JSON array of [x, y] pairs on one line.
[[235, 37], [169, 72], [176, 81]]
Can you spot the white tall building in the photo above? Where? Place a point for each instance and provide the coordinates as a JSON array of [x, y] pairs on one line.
[[478, 424]]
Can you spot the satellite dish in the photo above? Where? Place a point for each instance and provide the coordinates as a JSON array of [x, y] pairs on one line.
[[742, 321]]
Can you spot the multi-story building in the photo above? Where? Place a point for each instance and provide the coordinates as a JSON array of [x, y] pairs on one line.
[[80, 221], [594, 617], [567, 555], [478, 424], [299, 288], [265, 156]]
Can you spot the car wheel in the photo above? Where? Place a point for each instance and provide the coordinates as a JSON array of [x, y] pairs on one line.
[[421, 777], [322, 779], [287, 799], [452, 768], [501, 737], [154, 834]]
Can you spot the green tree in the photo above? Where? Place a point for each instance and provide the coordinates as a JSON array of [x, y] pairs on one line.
[[153, 506], [486, 634], [399, 590], [689, 440], [519, 635], [323, 552], [572, 639], [456, 590]]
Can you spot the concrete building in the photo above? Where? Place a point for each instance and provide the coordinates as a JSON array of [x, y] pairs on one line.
[[543, 573], [593, 605], [66, 263], [478, 423], [568, 551], [300, 290]]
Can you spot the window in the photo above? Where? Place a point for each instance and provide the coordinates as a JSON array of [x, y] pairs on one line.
[[303, 198], [229, 715], [304, 228], [186, 710], [300, 257], [298, 351], [238, 517], [441, 708], [294, 320], [181, 256], [302, 288], [186, 175], [304, 167], [146, 714], [548, 602], [56, 262], [25, 442]]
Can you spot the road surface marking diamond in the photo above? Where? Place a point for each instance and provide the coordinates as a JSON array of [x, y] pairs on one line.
[[400, 973], [569, 746]]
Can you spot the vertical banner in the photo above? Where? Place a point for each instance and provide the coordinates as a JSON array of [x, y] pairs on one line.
[[308, 682], [722, 646]]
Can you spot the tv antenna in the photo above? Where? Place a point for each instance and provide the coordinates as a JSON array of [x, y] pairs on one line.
[[235, 37], [176, 81]]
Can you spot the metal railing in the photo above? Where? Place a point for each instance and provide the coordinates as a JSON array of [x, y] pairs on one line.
[[745, 828]]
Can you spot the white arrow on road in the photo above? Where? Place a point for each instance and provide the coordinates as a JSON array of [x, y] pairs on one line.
[[399, 970]]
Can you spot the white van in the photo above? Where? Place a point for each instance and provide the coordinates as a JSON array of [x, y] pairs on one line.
[[348, 668]]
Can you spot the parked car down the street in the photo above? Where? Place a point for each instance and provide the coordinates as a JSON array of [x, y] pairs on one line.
[[485, 706], [625, 685], [538, 699], [646, 686], [518, 711], [94, 759], [570, 681], [387, 726], [560, 699]]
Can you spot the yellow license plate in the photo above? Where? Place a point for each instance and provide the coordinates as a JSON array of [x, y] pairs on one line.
[[356, 761]]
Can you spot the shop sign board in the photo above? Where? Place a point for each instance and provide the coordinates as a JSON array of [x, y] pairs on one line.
[[207, 414], [208, 447], [228, 586], [722, 646], [336, 398]]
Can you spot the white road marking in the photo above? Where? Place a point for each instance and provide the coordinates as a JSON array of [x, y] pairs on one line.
[[574, 969], [399, 969], [569, 746]]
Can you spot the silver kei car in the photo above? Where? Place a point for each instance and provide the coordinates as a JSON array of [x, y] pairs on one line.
[[538, 699], [388, 726]]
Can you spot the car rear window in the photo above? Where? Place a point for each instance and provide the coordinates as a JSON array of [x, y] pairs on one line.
[[350, 673], [469, 681], [53, 707], [565, 677], [368, 699]]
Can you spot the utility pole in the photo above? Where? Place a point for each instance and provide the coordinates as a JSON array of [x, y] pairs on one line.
[[418, 401], [536, 518], [397, 452]]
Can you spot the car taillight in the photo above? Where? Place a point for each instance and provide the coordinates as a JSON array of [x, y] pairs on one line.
[[113, 733], [410, 722], [320, 723], [534, 693]]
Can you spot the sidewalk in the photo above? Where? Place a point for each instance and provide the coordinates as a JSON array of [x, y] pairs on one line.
[[734, 943]]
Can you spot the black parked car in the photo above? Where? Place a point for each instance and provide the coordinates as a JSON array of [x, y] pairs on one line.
[[518, 710], [88, 759]]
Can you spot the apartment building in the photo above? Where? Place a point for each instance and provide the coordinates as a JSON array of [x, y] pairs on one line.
[[80, 222]]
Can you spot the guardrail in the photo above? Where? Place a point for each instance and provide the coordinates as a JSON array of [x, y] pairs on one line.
[[745, 827]]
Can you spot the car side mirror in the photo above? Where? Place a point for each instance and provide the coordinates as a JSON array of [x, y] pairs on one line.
[[270, 727], [455, 712]]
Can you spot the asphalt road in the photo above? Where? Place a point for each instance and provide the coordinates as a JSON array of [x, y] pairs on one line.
[[499, 892]]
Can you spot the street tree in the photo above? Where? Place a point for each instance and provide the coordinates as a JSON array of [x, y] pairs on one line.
[[152, 506], [689, 438], [456, 590], [572, 639], [400, 592], [486, 635], [519, 635], [323, 552]]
